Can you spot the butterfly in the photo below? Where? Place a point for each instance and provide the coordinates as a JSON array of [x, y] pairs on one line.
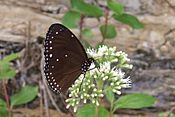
[[65, 58]]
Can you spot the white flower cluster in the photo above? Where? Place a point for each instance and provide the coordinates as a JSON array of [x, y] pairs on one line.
[[92, 86], [101, 51]]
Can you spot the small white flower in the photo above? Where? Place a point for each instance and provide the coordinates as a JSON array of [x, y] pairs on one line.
[[93, 85], [105, 78], [67, 106], [92, 95], [77, 102], [81, 97], [97, 103], [95, 90], [85, 95], [126, 80], [75, 108], [101, 50], [84, 101], [92, 53], [126, 85], [114, 90], [93, 101], [105, 67], [101, 95], [112, 84], [70, 95], [118, 92]]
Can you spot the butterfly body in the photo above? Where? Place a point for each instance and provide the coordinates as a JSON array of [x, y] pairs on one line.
[[65, 58]]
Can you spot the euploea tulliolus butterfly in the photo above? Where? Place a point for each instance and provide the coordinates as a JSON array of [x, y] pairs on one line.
[[65, 58]]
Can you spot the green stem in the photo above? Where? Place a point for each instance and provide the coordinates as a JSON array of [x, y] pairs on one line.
[[96, 111], [111, 109]]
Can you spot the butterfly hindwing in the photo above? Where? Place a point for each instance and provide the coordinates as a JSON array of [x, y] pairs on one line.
[[64, 56]]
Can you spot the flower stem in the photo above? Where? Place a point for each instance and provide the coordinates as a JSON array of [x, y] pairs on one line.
[[111, 111], [96, 111]]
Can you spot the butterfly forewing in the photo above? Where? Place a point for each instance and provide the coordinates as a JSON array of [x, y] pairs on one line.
[[64, 56]]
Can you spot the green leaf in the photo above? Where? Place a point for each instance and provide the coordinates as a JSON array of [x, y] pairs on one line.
[[86, 111], [108, 31], [110, 96], [2, 103], [103, 112], [3, 109], [6, 72], [11, 57], [3, 112], [134, 101], [115, 7], [129, 20], [87, 32], [10, 74], [89, 110], [86, 9], [25, 95], [71, 19]]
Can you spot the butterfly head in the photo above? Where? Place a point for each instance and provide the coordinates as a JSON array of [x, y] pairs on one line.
[[91, 60], [86, 65]]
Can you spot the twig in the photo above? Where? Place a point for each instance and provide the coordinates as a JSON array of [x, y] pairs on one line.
[[26, 54], [46, 103], [170, 31], [167, 38], [41, 99], [81, 26], [7, 98], [106, 23]]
